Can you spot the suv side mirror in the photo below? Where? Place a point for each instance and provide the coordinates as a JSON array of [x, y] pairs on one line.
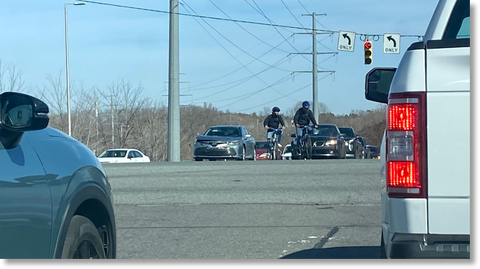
[[20, 113], [377, 84]]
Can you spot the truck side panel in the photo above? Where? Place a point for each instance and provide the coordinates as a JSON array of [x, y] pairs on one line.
[[448, 136]]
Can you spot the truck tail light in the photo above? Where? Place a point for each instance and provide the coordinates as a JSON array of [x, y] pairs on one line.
[[406, 145]]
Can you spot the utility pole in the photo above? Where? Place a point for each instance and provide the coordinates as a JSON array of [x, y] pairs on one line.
[[314, 71], [113, 121], [173, 152], [96, 127]]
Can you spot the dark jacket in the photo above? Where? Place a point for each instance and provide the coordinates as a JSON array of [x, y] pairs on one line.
[[303, 116], [273, 120]]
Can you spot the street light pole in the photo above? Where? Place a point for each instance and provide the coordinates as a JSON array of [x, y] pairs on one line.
[[67, 66]]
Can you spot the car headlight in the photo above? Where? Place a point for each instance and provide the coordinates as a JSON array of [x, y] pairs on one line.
[[331, 142], [234, 143]]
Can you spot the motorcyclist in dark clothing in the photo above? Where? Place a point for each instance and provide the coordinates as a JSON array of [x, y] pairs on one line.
[[273, 121], [302, 117]]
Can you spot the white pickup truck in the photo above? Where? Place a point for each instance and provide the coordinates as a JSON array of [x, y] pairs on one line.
[[425, 153]]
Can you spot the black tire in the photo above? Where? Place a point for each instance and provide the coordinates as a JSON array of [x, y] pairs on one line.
[[274, 152], [198, 159], [309, 148], [242, 156], [82, 240], [294, 152], [303, 150]]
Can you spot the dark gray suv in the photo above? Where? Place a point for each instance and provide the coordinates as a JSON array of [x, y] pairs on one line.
[[55, 199]]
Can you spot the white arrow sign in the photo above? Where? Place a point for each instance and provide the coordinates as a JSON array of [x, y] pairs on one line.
[[391, 43], [346, 40]]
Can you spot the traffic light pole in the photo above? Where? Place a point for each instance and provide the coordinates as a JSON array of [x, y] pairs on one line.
[[314, 71]]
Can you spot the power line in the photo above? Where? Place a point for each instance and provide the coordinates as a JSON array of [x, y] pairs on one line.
[[195, 87], [197, 16], [254, 74], [263, 14], [244, 66], [229, 20]]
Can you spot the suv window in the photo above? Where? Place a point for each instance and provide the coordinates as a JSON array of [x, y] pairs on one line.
[[458, 26], [347, 132]]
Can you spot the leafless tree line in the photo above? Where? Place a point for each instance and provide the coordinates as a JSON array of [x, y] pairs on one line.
[[119, 116]]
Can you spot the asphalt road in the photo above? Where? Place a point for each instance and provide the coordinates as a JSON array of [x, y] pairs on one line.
[[319, 209]]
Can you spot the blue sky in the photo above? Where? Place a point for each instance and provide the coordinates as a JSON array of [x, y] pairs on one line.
[[242, 67]]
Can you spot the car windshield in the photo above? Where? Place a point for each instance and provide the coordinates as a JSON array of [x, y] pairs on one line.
[[223, 131], [288, 149], [113, 154], [373, 149], [325, 131], [347, 132]]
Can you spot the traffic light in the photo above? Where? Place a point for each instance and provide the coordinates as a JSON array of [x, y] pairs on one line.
[[367, 48]]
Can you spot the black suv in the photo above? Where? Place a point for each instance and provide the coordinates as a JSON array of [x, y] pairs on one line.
[[353, 144]]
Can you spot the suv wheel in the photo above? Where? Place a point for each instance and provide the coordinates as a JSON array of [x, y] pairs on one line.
[[82, 240]]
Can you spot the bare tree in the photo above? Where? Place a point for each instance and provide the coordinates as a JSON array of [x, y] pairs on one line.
[[11, 79], [125, 101], [54, 94]]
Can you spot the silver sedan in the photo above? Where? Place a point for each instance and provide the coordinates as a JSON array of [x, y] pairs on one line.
[[224, 142]]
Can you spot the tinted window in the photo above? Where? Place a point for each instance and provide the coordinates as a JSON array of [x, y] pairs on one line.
[[137, 154], [362, 141], [458, 26], [325, 131], [113, 154], [224, 131], [348, 132]]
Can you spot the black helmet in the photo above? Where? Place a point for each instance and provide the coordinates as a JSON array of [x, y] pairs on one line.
[[275, 109]]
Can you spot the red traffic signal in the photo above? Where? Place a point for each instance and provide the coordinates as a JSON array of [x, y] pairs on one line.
[[367, 47]]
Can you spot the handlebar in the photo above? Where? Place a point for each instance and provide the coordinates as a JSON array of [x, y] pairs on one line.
[[308, 125], [274, 129]]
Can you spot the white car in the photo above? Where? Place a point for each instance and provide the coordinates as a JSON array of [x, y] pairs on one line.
[[123, 156], [287, 152]]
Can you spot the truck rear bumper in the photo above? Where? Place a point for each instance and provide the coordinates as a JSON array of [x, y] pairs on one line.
[[432, 247]]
